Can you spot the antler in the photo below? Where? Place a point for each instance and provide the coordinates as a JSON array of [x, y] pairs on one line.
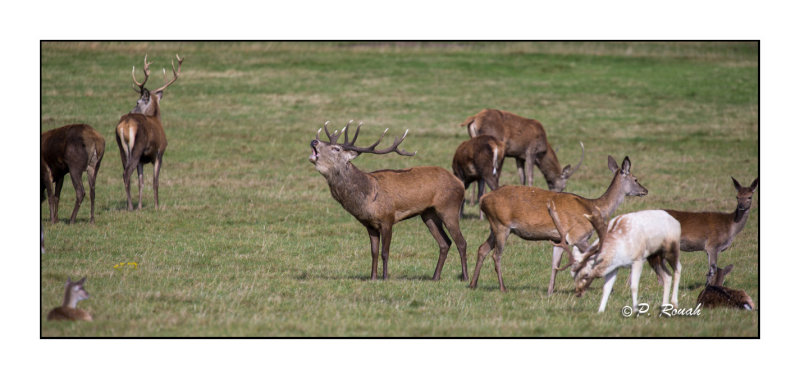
[[175, 74], [146, 70], [350, 144], [579, 163], [601, 226]]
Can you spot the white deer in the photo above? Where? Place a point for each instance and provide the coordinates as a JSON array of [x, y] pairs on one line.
[[631, 238]]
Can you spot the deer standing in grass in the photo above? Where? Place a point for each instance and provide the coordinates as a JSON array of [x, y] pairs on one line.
[[479, 159], [529, 213], [68, 310], [70, 149], [383, 198], [713, 232], [716, 295], [632, 238], [140, 134], [526, 141]]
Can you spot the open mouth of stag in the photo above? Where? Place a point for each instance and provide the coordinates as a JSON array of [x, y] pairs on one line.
[[314, 153]]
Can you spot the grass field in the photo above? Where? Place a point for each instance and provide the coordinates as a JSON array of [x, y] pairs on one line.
[[250, 242]]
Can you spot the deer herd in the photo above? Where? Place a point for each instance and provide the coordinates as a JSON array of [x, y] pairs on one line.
[[382, 198]]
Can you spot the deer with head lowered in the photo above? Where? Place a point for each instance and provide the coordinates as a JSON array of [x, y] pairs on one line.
[[629, 240], [383, 198], [713, 232], [526, 141], [479, 159], [70, 149], [140, 135], [530, 213]]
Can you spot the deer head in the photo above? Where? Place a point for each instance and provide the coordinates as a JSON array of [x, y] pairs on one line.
[[74, 292], [630, 184], [331, 156], [744, 197], [149, 100], [561, 182]]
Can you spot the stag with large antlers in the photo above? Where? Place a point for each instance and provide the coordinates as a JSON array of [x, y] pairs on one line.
[[383, 198], [535, 214], [140, 135], [526, 141]]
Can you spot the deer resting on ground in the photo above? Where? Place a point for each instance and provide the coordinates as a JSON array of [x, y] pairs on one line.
[[383, 198], [68, 311], [716, 295]]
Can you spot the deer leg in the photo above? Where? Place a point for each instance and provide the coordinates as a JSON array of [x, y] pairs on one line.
[[557, 255], [529, 163], [50, 199], [712, 264], [92, 176], [75, 175], [139, 171], [374, 239], [521, 170], [126, 178], [656, 263], [386, 241], [676, 272], [500, 243], [57, 198], [607, 287], [483, 251], [636, 274], [451, 223], [434, 224], [156, 172]]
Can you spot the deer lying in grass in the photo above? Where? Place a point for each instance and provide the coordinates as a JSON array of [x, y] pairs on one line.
[[140, 135], [526, 141], [529, 213], [714, 232], [715, 295], [72, 295], [479, 159], [70, 149], [383, 198], [631, 238]]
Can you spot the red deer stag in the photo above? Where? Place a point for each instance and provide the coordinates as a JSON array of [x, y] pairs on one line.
[[716, 295], [526, 141], [529, 213], [713, 232], [383, 198], [479, 159], [70, 149], [140, 135]]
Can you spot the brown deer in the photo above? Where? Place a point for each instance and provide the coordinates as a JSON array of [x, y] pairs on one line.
[[68, 311], [529, 213], [715, 295], [526, 141], [479, 159], [383, 198], [713, 232], [70, 149], [140, 135]]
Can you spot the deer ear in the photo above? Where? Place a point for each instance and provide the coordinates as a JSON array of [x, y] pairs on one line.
[[350, 154], [69, 281], [565, 171], [612, 164], [81, 281], [159, 95], [736, 185], [754, 185], [727, 269], [626, 166]]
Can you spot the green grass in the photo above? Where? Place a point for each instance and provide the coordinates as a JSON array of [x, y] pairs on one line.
[[250, 243]]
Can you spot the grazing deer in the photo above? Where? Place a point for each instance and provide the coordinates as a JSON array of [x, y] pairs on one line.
[[140, 135], [630, 239], [383, 198], [70, 149], [714, 232], [68, 311], [526, 141], [479, 159], [529, 213], [715, 295]]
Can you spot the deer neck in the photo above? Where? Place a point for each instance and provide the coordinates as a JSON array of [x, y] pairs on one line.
[[549, 166], [351, 187], [69, 300], [739, 219], [611, 199]]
